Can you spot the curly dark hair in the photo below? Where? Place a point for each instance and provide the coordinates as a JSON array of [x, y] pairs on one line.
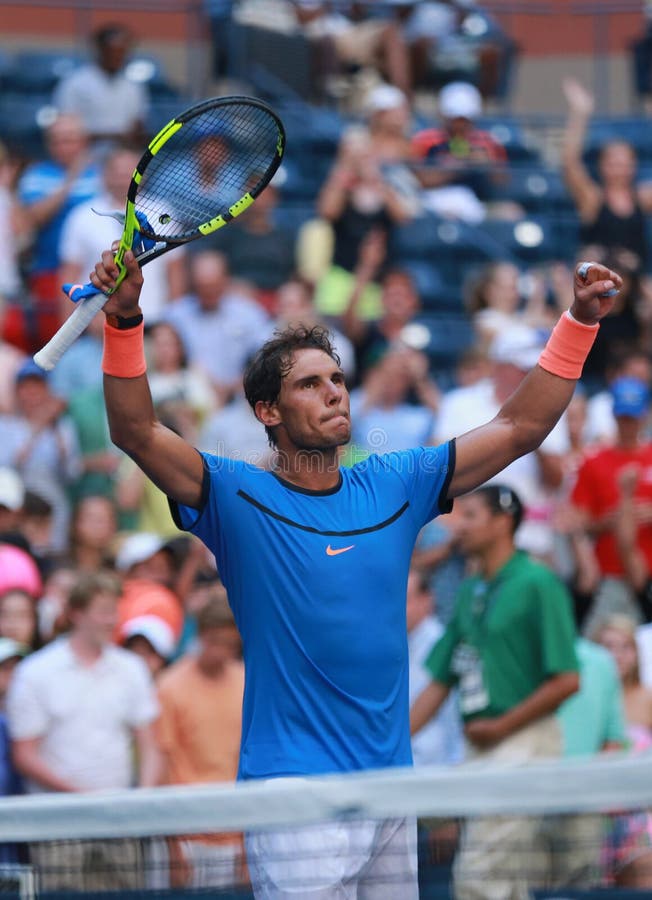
[[274, 360]]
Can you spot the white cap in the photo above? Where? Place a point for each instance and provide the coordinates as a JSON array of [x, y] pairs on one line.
[[519, 345], [9, 649], [383, 97], [12, 489], [137, 548], [154, 630], [460, 100]]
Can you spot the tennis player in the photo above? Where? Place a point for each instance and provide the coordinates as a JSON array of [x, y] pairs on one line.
[[315, 561]]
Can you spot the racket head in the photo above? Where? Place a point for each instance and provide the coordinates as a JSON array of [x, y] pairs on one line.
[[205, 167]]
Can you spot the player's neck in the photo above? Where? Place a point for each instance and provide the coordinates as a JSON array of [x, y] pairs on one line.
[[312, 470]]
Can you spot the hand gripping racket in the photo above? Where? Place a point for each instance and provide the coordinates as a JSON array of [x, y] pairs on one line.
[[201, 171]]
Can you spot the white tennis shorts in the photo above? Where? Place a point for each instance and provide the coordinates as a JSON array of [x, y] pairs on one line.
[[358, 860]]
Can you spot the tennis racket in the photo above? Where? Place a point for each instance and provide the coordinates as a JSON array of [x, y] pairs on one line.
[[203, 169]]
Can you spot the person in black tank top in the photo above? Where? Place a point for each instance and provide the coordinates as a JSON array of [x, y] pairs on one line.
[[611, 210]]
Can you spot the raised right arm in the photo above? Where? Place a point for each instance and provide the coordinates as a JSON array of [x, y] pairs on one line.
[[171, 463], [586, 194]]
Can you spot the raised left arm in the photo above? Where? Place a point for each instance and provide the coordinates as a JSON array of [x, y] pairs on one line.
[[532, 411]]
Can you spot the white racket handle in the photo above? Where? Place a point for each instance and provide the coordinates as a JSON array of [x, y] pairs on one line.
[[75, 324]]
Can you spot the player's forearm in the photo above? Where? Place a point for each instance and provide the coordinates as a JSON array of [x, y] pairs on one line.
[[130, 412], [535, 408]]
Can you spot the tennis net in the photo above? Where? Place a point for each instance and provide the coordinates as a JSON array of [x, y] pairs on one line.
[[547, 829]]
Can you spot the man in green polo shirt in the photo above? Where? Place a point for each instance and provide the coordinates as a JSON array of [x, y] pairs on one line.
[[510, 650]]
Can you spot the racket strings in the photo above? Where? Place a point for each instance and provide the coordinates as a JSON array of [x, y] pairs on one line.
[[206, 167]]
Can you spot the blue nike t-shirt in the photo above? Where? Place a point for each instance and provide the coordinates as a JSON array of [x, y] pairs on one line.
[[317, 583]]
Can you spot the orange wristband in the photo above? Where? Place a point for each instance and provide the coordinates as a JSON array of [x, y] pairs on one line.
[[568, 346], [124, 351]]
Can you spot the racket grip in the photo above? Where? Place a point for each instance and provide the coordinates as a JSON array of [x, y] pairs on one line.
[[75, 324]]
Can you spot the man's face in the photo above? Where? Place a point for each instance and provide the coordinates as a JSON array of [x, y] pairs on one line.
[[478, 525], [312, 411], [98, 621], [217, 646]]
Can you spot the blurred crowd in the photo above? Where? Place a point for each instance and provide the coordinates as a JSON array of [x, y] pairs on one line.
[[102, 597]]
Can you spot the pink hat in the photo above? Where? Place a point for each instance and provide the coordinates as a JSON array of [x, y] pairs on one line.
[[18, 570]]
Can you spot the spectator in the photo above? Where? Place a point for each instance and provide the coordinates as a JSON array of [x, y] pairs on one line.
[[13, 231], [592, 721], [233, 431], [356, 199], [384, 419], [112, 106], [39, 441], [85, 233], [601, 425], [79, 369], [537, 475], [628, 850], [219, 326], [18, 618], [92, 533], [456, 39], [437, 552], [510, 651], [612, 209], [201, 717], [10, 780], [627, 328], [53, 602], [399, 304], [181, 388], [12, 499], [75, 708], [596, 495], [19, 570], [47, 190], [458, 162], [151, 638], [496, 300], [146, 562], [259, 246], [440, 741], [356, 40]]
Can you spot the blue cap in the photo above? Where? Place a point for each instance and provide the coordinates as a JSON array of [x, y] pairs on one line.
[[631, 397], [30, 369]]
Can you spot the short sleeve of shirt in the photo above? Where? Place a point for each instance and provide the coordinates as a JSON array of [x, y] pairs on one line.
[[27, 716], [557, 628], [426, 473]]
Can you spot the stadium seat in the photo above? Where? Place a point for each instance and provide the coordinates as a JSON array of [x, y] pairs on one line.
[[38, 71], [149, 71], [22, 119], [529, 240], [449, 336]]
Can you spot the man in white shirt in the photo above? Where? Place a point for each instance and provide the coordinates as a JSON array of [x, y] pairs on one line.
[[75, 710], [111, 106]]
